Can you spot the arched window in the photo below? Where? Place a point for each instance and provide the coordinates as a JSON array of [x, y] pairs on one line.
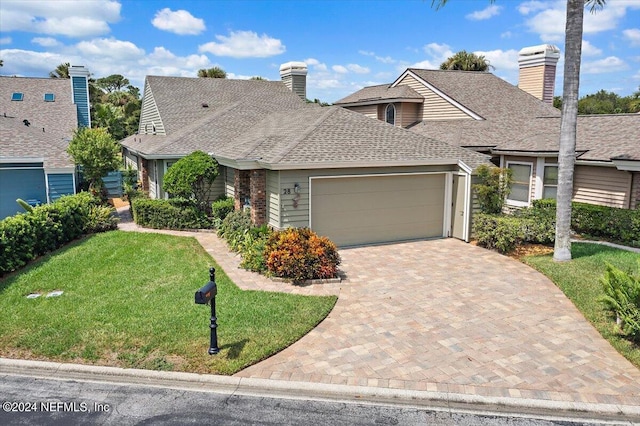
[[390, 114]]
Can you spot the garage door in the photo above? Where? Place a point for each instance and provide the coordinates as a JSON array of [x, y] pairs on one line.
[[25, 184], [373, 209]]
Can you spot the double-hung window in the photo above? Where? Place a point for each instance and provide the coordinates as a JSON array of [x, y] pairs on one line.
[[520, 184], [550, 181]]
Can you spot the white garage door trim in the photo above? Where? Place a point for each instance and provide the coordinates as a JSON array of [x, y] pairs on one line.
[[448, 185]]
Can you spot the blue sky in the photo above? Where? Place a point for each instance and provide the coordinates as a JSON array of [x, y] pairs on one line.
[[347, 44]]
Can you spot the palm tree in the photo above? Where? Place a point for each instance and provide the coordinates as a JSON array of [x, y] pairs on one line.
[[567, 145], [1, 63], [61, 71], [215, 72], [466, 61]]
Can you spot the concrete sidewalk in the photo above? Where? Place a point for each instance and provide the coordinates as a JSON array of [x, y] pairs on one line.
[[436, 320]]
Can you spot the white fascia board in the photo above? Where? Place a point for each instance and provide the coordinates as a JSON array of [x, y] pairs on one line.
[[346, 165], [528, 153], [381, 102], [439, 93], [65, 170], [21, 159], [464, 167], [242, 164], [596, 163], [627, 165]]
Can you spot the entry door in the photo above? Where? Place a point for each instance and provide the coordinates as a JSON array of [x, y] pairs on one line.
[[458, 218]]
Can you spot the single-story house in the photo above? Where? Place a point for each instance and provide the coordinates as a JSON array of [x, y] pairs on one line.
[[345, 176], [38, 117], [518, 126]]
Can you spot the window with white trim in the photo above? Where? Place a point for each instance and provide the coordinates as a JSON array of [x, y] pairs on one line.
[[520, 183], [550, 181], [390, 114]]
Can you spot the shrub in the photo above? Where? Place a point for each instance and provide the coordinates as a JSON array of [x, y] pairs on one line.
[[493, 188], [25, 236], [502, 233], [252, 249], [234, 228], [175, 213], [299, 254], [192, 177], [222, 207], [622, 297]]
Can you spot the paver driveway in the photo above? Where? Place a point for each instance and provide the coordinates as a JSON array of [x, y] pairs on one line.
[[447, 316]]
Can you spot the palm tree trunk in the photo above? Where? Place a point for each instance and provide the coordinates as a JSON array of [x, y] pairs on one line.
[[567, 150]]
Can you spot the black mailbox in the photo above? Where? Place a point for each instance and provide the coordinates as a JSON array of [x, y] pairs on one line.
[[206, 293]]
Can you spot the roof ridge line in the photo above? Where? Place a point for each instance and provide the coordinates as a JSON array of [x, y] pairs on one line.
[[298, 140]]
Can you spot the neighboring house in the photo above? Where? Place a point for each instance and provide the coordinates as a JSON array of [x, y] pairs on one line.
[[37, 120], [296, 164], [518, 126]]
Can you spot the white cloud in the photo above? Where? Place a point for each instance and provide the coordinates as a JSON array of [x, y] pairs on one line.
[[486, 13], [5, 40], [427, 65], [501, 60], [506, 34], [31, 63], [531, 6], [366, 53], [244, 44], [589, 49], [110, 48], [316, 64], [633, 35], [179, 22], [606, 65], [384, 60], [340, 69], [438, 53], [358, 69], [46, 41], [63, 17]]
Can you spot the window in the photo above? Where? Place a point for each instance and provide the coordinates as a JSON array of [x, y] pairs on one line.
[[49, 97], [521, 183], [390, 114], [17, 96], [550, 181]]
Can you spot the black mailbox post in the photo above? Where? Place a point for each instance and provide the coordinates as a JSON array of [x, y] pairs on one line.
[[205, 295]]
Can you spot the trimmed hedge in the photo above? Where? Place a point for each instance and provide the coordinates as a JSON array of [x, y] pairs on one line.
[[505, 232], [174, 213], [25, 236], [222, 207]]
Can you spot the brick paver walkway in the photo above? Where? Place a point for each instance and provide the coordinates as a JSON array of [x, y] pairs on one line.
[[446, 316]]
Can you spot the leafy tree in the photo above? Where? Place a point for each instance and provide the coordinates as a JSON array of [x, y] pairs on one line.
[[466, 61], [61, 71], [215, 72], [112, 118], [97, 153], [192, 177], [133, 91], [112, 83], [258, 78], [493, 188]]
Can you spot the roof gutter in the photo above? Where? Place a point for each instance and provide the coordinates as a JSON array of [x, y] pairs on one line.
[[379, 101], [627, 165], [348, 164]]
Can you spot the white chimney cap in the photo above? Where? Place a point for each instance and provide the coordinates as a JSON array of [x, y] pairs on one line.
[[546, 49], [293, 67]]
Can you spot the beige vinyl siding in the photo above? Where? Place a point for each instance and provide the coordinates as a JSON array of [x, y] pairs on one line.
[[150, 116], [409, 113], [291, 216], [531, 80], [273, 198], [370, 111], [605, 186], [435, 107], [229, 186], [218, 187]]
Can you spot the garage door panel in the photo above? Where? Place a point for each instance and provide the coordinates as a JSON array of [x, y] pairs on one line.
[[360, 210]]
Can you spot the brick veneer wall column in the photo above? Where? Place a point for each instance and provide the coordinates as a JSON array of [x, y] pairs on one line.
[[259, 197], [241, 187]]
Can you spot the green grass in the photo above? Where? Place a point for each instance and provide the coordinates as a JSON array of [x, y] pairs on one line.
[[129, 301], [579, 279]]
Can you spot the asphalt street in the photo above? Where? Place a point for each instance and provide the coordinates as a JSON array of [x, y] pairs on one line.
[[46, 401]]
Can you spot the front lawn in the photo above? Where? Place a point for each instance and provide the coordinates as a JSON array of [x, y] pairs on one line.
[[128, 301], [579, 279]]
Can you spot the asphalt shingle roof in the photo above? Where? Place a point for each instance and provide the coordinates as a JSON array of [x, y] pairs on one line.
[[51, 124], [268, 123], [380, 93]]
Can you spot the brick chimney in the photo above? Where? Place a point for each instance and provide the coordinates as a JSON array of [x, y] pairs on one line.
[[294, 76], [538, 70], [79, 77]]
